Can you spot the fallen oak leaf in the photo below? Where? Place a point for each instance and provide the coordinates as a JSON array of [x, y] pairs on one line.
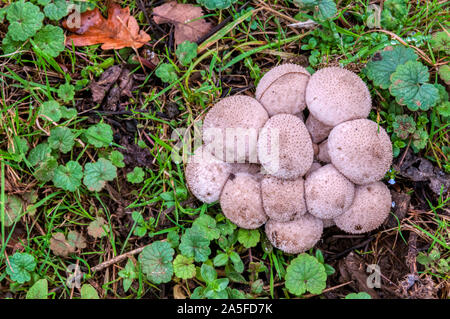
[[119, 30], [185, 18]]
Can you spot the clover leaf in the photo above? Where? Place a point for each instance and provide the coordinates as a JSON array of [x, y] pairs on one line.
[[51, 109], [305, 273], [56, 10], [68, 177], [13, 210], [383, 64], [46, 169], [99, 135], [322, 9], [19, 267], [66, 92], [167, 73], [195, 244], [25, 19], [50, 39], [186, 52], [156, 262], [410, 88], [116, 159], [206, 225], [216, 4], [136, 176], [184, 267], [248, 237], [97, 174], [39, 290], [62, 139]]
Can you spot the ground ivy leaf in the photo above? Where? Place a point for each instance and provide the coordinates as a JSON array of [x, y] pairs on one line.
[[99, 135], [46, 169], [206, 225], [195, 244], [97, 174], [68, 177], [39, 290], [51, 109], [441, 41], [209, 274], [248, 237], [88, 292], [76, 239], [167, 73], [305, 273], [156, 262], [410, 88], [68, 113], [384, 64], [98, 228], [359, 295], [444, 73], [66, 92], [128, 274], [186, 52], [322, 9], [404, 125], [10, 46], [116, 159], [419, 140], [13, 209], [50, 39], [19, 267], [136, 176], [62, 139], [216, 4], [60, 246], [25, 19], [184, 267], [18, 148], [56, 10]]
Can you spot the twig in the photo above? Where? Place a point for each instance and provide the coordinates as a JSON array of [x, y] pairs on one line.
[[117, 259], [329, 289]]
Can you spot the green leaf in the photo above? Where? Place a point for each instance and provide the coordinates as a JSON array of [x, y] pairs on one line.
[[129, 273], [68, 113], [322, 9], [19, 267], [384, 64], [305, 273], [216, 4], [403, 126], [62, 139], [50, 39], [60, 246], [76, 239], [173, 238], [10, 46], [116, 159], [156, 262], [167, 73], [194, 244], [444, 73], [66, 92], [88, 292], [206, 225], [25, 19], [186, 52], [68, 177], [441, 42], [99, 135], [56, 10], [208, 273], [136, 176], [13, 210], [18, 149], [220, 260], [184, 267], [98, 228], [39, 290], [51, 109], [444, 109], [420, 140], [46, 169], [237, 261], [359, 295], [410, 88], [97, 174], [257, 287], [248, 237], [394, 13]]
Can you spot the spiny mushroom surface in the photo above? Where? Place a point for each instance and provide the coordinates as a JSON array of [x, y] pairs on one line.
[[369, 209], [361, 150], [230, 129], [284, 147], [241, 201], [282, 89], [335, 95]]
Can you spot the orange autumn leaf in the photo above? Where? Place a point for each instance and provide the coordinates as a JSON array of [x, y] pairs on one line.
[[118, 31]]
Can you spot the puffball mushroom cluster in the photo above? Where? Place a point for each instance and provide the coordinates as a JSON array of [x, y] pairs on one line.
[[265, 165]]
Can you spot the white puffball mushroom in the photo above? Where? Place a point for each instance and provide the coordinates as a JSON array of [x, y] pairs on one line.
[[284, 147], [328, 193], [295, 236], [241, 201], [323, 155], [283, 199], [206, 175], [370, 208], [231, 127], [361, 150], [318, 130], [335, 95], [282, 89]]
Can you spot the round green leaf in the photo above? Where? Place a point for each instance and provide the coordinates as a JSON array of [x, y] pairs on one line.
[[195, 244], [25, 19], [99, 135], [248, 237], [68, 177], [97, 174], [19, 267], [156, 262], [50, 39], [51, 109], [62, 139], [184, 267], [39, 290], [305, 273]]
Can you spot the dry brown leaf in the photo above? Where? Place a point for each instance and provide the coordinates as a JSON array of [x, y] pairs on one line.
[[118, 31], [60, 246], [181, 16]]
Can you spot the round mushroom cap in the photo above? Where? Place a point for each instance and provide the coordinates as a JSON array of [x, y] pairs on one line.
[[335, 95], [370, 208], [323, 155], [284, 147], [231, 127], [318, 130], [282, 89], [241, 201], [328, 193], [249, 168], [283, 199], [295, 236], [361, 150], [206, 175]]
